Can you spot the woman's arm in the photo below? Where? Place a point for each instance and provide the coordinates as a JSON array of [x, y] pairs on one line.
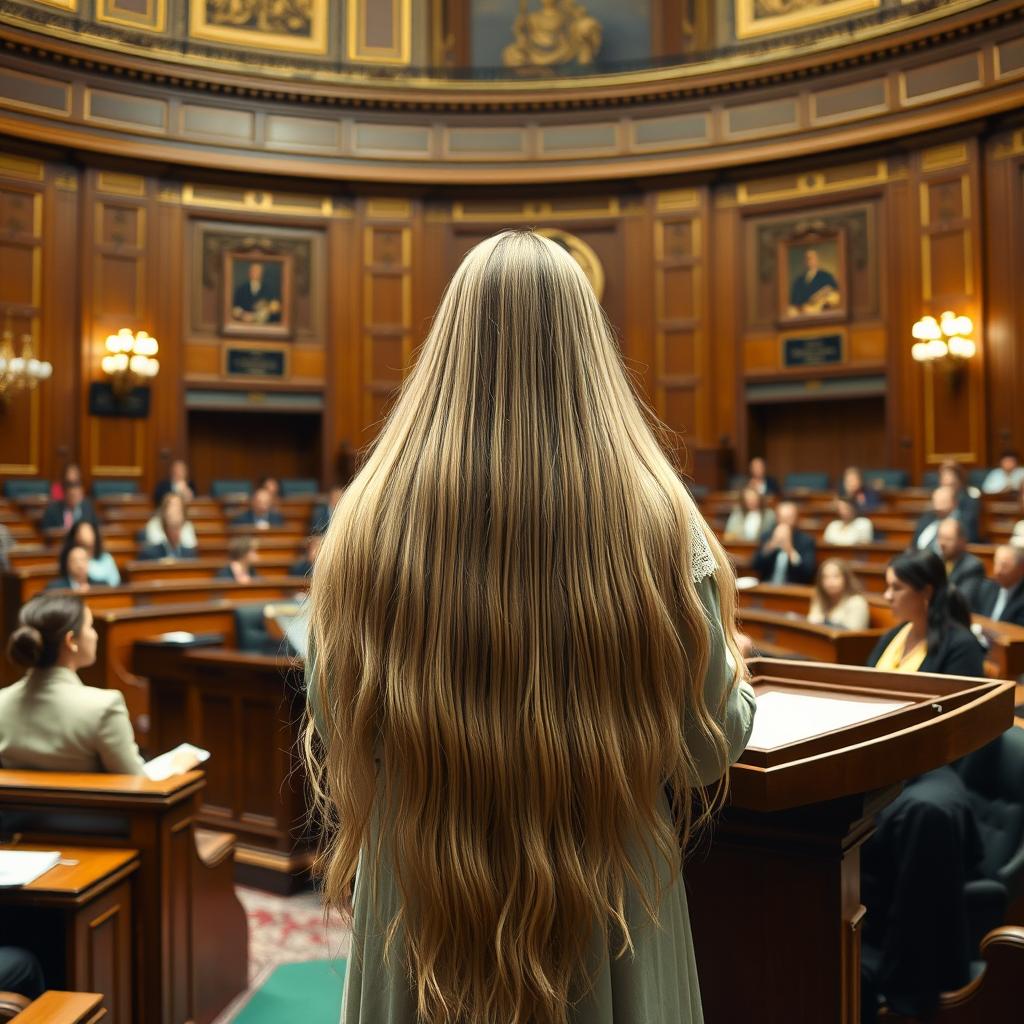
[[115, 739], [729, 699]]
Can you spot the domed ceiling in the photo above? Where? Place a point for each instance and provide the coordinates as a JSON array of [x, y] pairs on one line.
[[476, 41]]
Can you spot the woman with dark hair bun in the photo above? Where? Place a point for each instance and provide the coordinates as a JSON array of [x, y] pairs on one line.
[[934, 634], [50, 719], [927, 844]]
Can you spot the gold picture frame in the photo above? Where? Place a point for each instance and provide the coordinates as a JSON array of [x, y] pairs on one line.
[[764, 17], [265, 26]]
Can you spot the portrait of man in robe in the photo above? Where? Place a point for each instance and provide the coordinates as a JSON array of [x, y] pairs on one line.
[[257, 294], [812, 277]]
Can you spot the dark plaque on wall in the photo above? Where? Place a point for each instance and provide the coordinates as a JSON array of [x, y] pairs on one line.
[[104, 402], [242, 361], [819, 350]]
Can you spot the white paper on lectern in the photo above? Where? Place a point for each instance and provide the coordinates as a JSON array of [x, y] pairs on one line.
[[19, 867], [790, 717]]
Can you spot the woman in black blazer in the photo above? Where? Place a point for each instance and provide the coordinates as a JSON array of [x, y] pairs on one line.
[[927, 844], [934, 634]]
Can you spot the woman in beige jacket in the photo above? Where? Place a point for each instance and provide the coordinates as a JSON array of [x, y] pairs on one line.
[[50, 719], [837, 599]]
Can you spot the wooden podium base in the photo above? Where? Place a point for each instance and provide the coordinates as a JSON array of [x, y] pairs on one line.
[[776, 913]]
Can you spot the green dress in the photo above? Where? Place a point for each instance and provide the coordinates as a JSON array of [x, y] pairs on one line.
[[656, 985]]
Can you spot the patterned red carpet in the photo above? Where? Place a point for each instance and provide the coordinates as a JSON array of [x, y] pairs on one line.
[[285, 929]]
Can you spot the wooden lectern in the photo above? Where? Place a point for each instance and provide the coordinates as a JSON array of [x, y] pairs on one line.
[[775, 894]]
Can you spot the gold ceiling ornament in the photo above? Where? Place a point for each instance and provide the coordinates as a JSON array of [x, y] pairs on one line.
[[588, 260], [559, 33], [19, 372]]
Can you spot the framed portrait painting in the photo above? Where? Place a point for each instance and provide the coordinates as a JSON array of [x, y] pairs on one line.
[[257, 294], [812, 277]]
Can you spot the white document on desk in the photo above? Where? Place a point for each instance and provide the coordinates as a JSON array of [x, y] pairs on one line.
[[790, 717], [19, 867]]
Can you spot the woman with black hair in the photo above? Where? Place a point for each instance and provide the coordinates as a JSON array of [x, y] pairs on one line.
[[934, 634], [926, 845], [102, 567]]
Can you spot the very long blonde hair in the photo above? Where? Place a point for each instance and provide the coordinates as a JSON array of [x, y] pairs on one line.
[[508, 639]]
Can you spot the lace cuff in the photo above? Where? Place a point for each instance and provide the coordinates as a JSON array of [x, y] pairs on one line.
[[702, 561]]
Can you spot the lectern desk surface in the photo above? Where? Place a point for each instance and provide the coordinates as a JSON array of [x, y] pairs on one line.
[[828, 731]]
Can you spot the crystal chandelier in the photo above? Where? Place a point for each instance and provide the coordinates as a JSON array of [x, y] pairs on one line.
[[19, 372], [130, 360]]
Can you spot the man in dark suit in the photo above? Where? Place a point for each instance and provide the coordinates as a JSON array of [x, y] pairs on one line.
[[965, 571], [73, 507], [177, 481], [926, 531], [321, 517], [786, 554], [260, 514], [1002, 597], [966, 499], [305, 566], [759, 478]]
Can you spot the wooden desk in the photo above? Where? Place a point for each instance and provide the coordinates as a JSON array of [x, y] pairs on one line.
[[1003, 660], [200, 568], [233, 704], [790, 631], [118, 630], [18, 587], [55, 1007], [189, 932], [782, 945], [77, 919]]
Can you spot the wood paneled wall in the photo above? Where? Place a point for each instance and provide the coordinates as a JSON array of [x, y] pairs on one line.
[[88, 250]]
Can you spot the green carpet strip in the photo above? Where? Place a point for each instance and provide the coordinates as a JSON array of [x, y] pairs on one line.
[[308, 992]]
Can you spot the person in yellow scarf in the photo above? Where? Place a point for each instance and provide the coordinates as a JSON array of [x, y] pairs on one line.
[[934, 634]]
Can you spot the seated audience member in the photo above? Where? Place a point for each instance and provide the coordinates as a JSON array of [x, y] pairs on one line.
[[21, 972], [927, 844], [241, 561], [760, 480], [63, 514], [967, 499], [260, 513], [6, 543], [305, 565], [72, 474], [838, 600], [926, 530], [1007, 476], [1017, 537], [1002, 597], [177, 482], [74, 570], [849, 528], [965, 571], [102, 567], [865, 498], [751, 518], [321, 517], [50, 719], [272, 486], [171, 507], [786, 554], [173, 526]]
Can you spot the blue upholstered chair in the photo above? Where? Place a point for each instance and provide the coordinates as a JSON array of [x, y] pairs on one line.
[[805, 482], [892, 479], [292, 487], [113, 488], [32, 488], [226, 488]]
